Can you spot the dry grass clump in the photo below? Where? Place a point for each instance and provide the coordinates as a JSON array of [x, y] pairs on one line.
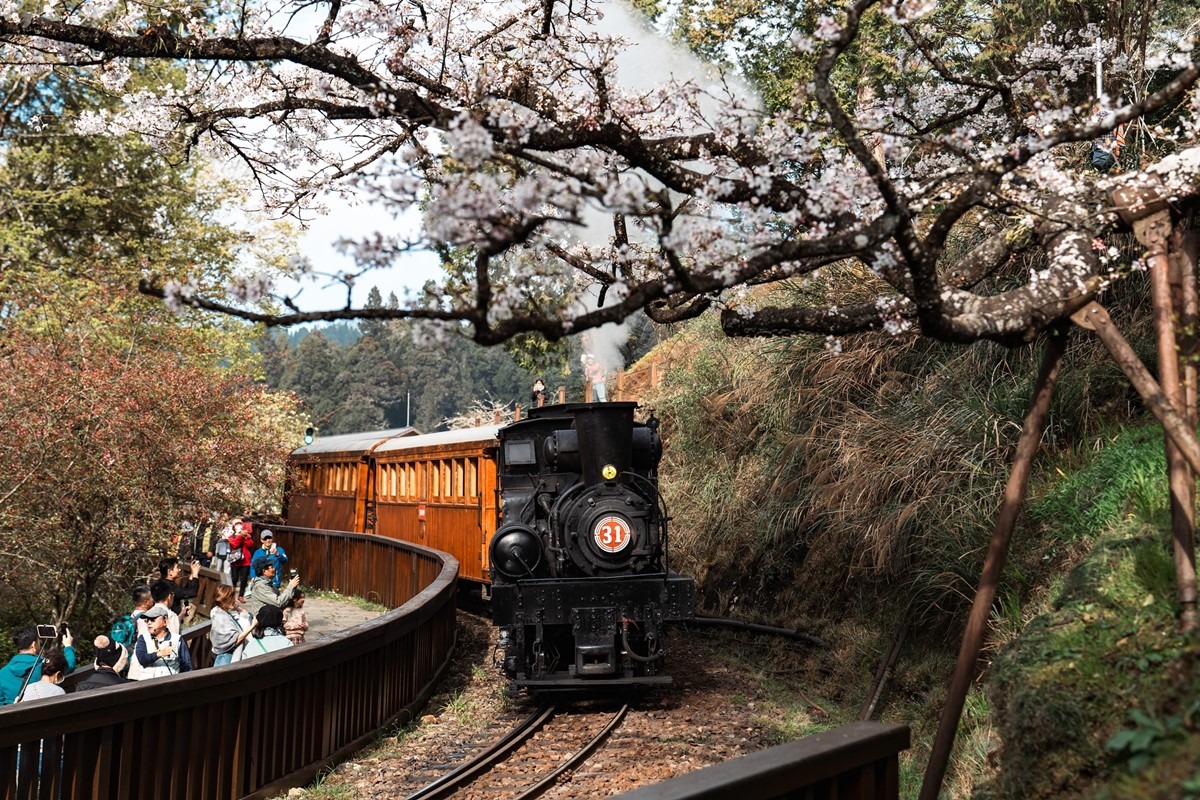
[[794, 464]]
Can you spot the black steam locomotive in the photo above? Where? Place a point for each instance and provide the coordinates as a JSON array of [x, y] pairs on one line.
[[580, 585]]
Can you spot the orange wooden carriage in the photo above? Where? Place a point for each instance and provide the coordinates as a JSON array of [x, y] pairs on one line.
[[436, 489]]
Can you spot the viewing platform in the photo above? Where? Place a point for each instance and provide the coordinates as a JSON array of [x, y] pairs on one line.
[[254, 729]]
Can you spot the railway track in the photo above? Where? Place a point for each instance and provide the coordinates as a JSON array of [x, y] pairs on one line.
[[531, 758]]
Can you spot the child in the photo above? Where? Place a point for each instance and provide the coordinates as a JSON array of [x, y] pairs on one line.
[[295, 623]]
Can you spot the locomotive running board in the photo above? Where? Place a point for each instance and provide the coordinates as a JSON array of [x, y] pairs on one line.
[[570, 684]]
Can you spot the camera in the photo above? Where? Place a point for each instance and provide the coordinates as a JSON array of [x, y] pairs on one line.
[[293, 573], [47, 632]]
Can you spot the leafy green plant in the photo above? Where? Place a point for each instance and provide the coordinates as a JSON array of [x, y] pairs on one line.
[[1137, 745]]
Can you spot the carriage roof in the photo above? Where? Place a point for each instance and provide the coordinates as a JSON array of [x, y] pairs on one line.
[[483, 435], [354, 442], [395, 440]]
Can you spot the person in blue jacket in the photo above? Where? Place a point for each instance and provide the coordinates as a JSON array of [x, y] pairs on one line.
[[12, 676], [274, 553]]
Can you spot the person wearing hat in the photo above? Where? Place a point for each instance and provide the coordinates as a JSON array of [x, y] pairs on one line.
[[160, 651], [262, 589], [270, 550], [111, 660]]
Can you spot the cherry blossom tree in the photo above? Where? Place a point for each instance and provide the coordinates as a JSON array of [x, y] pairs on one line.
[[107, 444], [511, 127]]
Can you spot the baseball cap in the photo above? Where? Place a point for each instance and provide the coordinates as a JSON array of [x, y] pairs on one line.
[[156, 611]]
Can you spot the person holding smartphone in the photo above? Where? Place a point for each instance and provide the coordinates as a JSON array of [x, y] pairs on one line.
[[26, 666]]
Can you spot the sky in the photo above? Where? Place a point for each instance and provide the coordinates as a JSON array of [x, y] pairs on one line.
[[648, 60], [355, 219]]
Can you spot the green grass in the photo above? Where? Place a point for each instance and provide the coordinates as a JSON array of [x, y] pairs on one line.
[[1107, 649], [1123, 479], [358, 602]]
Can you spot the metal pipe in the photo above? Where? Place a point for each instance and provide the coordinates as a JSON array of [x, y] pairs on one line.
[[1154, 233], [1094, 317], [993, 566]]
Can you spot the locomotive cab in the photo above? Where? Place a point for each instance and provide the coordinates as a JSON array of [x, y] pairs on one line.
[[580, 585]]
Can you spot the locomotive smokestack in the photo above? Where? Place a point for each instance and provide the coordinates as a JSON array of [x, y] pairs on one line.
[[605, 439]]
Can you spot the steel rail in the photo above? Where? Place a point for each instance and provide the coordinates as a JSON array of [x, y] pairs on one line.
[[580, 756], [463, 774]]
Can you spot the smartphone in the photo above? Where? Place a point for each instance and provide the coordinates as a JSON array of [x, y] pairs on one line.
[[47, 632]]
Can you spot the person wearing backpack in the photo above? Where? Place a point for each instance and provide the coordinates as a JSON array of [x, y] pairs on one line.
[[143, 601]]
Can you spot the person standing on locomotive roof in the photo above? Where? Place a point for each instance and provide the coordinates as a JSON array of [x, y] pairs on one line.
[[595, 373], [272, 551], [239, 571]]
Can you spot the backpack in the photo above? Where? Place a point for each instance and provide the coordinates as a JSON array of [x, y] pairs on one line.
[[123, 631]]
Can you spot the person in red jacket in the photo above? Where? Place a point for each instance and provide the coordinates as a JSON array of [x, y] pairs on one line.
[[241, 539]]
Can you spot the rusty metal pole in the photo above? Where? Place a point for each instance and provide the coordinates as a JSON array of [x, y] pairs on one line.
[[1154, 232], [1184, 248], [993, 566], [1145, 209], [1095, 318], [1184, 253]]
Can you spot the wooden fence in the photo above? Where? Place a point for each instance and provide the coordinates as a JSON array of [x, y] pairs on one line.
[[257, 727]]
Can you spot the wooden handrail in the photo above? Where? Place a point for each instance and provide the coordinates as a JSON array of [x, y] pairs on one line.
[[859, 761], [257, 727]]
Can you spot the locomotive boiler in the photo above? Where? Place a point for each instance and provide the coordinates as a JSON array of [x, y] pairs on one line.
[[579, 580]]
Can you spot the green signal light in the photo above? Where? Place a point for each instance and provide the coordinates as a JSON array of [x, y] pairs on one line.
[[309, 435]]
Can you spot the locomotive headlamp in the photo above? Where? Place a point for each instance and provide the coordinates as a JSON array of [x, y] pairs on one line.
[[609, 472]]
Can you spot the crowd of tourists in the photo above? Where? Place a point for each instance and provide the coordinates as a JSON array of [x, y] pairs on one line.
[[255, 612]]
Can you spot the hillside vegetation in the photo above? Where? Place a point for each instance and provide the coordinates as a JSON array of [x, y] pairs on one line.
[[850, 488]]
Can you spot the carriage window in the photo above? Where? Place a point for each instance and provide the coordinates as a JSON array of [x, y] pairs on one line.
[[387, 481], [458, 478], [472, 478], [446, 487]]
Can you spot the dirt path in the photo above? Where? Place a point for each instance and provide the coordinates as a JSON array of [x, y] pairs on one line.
[[328, 616]]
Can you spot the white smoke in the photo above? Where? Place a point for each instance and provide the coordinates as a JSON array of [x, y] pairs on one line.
[[650, 59]]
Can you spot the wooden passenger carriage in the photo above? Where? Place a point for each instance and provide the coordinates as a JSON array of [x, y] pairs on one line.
[[437, 489]]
